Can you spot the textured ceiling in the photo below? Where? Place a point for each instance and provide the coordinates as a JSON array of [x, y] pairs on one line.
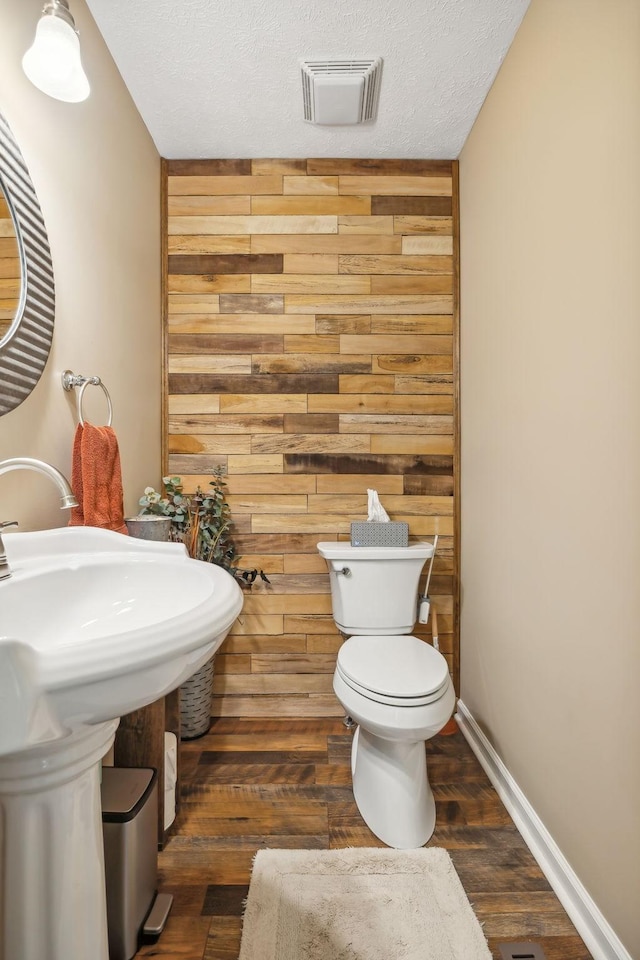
[[221, 79]]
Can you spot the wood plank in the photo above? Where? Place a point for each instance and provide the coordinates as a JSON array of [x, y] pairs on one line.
[[351, 223], [206, 443], [323, 363], [195, 470], [310, 284], [285, 383], [315, 243], [208, 168], [208, 206], [427, 246], [398, 345], [412, 364], [266, 503], [328, 526], [369, 264], [358, 482], [252, 303], [311, 344], [265, 624], [342, 323], [258, 402], [426, 325], [222, 343], [363, 404], [324, 443], [255, 643], [407, 224], [229, 263], [310, 205], [202, 423], [301, 593], [321, 186], [264, 167], [254, 685], [411, 284], [196, 364], [395, 423], [394, 185], [429, 206], [208, 244], [424, 304], [316, 705], [252, 484], [309, 262], [304, 563], [243, 323], [412, 444], [255, 464], [194, 403], [229, 364], [293, 663], [213, 283], [365, 383], [379, 167], [229, 226], [428, 383], [393, 503], [311, 423], [201, 186], [193, 303], [323, 463]]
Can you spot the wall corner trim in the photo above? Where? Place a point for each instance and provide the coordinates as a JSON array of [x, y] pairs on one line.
[[588, 920]]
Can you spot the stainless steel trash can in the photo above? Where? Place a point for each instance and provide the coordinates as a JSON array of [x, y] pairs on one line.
[[130, 831]]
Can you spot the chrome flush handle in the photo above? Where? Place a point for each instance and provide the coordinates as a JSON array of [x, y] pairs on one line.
[[5, 572], [345, 571]]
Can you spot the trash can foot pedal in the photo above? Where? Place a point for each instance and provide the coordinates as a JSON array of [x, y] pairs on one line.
[[154, 924]]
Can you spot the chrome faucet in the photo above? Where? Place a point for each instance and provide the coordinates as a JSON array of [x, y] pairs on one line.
[[67, 499]]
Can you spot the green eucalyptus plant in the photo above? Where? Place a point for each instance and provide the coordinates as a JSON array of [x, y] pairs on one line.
[[202, 521]]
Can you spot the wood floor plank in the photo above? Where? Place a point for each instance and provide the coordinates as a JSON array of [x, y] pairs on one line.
[[224, 939]]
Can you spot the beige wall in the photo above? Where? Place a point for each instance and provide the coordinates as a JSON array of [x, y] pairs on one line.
[[550, 226], [97, 175]]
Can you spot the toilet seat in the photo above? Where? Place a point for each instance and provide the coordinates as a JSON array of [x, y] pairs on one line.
[[400, 671]]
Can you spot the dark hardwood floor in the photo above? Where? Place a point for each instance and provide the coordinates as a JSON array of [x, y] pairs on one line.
[[252, 784]]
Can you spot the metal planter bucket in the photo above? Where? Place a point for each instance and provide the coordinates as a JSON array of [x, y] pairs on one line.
[[195, 703], [149, 527]]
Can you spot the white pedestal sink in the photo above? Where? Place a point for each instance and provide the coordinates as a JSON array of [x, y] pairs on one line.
[[93, 625]]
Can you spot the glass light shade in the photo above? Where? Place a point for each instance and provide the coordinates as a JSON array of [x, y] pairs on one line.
[[53, 62]]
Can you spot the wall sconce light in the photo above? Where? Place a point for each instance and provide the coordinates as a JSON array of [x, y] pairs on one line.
[[53, 62]]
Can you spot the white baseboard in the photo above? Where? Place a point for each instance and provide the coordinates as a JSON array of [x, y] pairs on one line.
[[597, 934]]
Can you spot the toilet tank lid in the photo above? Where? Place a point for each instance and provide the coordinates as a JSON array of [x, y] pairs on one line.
[[337, 550]]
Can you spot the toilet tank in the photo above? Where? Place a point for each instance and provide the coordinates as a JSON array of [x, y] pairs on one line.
[[374, 590]]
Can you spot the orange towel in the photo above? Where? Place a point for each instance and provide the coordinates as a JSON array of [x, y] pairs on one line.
[[96, 479]]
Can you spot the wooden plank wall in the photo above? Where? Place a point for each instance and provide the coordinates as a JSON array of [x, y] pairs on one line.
[[311, 350]]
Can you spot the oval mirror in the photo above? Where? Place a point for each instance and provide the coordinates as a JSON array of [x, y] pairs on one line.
[[27, 293]]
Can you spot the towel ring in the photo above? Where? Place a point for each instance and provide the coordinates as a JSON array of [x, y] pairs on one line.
[[70, 380]]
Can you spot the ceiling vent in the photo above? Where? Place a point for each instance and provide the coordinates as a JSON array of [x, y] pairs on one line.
[[341, 91]]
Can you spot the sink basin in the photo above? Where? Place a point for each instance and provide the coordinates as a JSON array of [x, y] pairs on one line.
[[93, 624]]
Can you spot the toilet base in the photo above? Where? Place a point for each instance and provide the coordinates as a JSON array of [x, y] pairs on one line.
[[391, 789]]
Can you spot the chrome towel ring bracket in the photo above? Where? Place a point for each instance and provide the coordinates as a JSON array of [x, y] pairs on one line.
[[71, 380]]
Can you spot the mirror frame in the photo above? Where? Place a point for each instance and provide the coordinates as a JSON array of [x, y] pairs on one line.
[[24, 349]]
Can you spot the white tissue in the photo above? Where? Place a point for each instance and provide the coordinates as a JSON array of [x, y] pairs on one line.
[[376, 511]]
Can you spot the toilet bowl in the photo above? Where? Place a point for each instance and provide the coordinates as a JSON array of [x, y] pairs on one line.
[[395, 686], [399, 699]]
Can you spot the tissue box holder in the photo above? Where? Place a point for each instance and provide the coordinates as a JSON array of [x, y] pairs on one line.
[[372, 534]]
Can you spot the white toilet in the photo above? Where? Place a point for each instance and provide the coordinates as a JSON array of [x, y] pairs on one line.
[[395, 686]]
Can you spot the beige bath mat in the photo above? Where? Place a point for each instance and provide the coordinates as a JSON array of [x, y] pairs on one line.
[[359, 904]]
